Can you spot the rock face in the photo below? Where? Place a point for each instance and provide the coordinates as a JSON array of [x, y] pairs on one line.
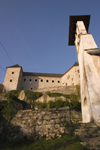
[[49, 123], [89, 64]]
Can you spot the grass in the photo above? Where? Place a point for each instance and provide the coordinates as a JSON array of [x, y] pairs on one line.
[[64, 143]]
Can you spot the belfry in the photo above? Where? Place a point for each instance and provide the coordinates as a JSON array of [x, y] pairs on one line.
[[88, 55]]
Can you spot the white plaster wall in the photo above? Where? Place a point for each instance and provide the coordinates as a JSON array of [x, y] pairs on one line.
[[72, 77], [89, 80], [14, 77]]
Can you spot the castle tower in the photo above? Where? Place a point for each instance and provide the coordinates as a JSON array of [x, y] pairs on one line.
[[13, 78]]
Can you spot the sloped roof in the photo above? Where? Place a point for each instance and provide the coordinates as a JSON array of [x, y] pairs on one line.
[[41, 74], [14, 66], [75, 64]]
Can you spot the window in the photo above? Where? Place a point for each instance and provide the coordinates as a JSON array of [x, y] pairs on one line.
[[29, 79], [68, 77], [24, 79], [41, 80], [35, 80], [78, 71], [31, 88], [72, 79], [47, 80], [52, 81], [58, 81], [12, 72], [22, 87], [10, 80]]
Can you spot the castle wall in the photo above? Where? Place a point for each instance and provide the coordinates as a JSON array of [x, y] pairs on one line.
[[71, 77], [35, 83], [15, 79], [11, 78]]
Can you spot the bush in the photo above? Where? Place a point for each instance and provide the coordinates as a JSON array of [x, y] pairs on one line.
[[9, 111], [32, 95], [11, 94], [78, 90], [59, 103], [75, 105], [40, 105], [51, 104], [2, 105], [54, 94]]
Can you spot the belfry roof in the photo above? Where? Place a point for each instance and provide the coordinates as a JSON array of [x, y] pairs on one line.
[[72, 26]]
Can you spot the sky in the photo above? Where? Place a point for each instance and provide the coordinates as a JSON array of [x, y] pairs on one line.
[[34, 33]]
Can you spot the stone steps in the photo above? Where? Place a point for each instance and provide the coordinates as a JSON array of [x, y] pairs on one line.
[[89, 135]]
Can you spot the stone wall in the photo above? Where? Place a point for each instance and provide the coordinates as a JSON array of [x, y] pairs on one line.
[[48, 123], [59, 89]]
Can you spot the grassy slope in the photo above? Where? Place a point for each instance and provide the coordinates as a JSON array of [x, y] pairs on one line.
[[64, 143]]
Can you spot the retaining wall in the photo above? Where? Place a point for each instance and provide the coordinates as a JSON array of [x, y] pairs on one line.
[[48, 123]]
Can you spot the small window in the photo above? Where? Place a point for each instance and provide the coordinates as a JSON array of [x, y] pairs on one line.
[[78, 71], [68, 77], [52, 81], [12, 72], [24, 79], [47, 80], [58, 81], [10, 80], [72, 79], [30, 80], [31, 88], [41, 80], [35, 80]]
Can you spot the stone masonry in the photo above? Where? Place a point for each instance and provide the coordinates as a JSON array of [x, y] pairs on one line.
[[48, 123]]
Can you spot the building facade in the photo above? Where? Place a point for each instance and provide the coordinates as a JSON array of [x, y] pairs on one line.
[[16, 79]]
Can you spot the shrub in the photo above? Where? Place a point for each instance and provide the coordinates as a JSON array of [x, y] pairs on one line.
[[54, 94], [75, 105], [59, 103], [11, 94], [2, 105], [32, 95], [9, 111], [40, 105], [78, 90], [51, 104]]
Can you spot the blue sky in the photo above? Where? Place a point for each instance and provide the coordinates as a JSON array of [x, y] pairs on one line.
[[35, 33]]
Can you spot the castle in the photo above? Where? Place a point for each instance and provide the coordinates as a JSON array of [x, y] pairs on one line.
[[16, 79]]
